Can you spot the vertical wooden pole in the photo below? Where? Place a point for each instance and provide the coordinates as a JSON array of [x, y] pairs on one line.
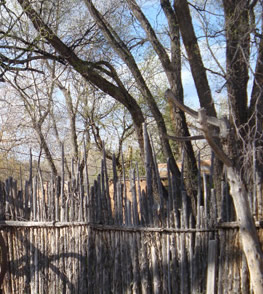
[[107, 185], [199, 192], [124, 179], [62, 216], [159, 183], [183, 261], [30, 167], [34, 211], [155, 270], [115, 179], [148, 169], [87, 197], [211, 268], [139, 193], [205, 185], [135, 214]]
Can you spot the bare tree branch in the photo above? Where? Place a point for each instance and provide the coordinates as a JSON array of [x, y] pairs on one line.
[[183, 139], [221, 123], [170, 95], [203, 121]]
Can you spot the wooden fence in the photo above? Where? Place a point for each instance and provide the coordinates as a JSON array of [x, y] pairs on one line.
[[73, 237]]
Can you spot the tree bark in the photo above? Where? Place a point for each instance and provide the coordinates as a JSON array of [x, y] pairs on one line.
[[194, 56], [247, 230], [237, 57], [256, 103]]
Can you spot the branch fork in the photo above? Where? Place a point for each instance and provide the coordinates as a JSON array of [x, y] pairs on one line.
[[205, 126]]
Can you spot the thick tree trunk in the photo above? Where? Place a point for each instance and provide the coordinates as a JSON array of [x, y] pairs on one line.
[[237, 56], [193, 52], [248, 233], [256, 103]]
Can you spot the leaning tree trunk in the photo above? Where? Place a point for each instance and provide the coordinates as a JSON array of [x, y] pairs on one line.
[[248, 233], [247, 230], [172, 67]]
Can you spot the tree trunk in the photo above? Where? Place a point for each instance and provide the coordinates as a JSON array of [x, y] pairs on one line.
[[193, 52], [43, 144], [123, 51], [247, 230], [174, 75], [172, 67], [72, 119], [237, 56]]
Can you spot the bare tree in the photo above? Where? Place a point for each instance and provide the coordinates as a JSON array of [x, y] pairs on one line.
[[114, 57], [104, 76], [37, 107], [237, 133]]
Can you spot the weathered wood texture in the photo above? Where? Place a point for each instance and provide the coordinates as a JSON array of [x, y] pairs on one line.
[[73, 237]]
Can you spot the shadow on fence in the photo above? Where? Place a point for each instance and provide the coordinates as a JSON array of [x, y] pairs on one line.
[[102, 261], [68, 237]]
